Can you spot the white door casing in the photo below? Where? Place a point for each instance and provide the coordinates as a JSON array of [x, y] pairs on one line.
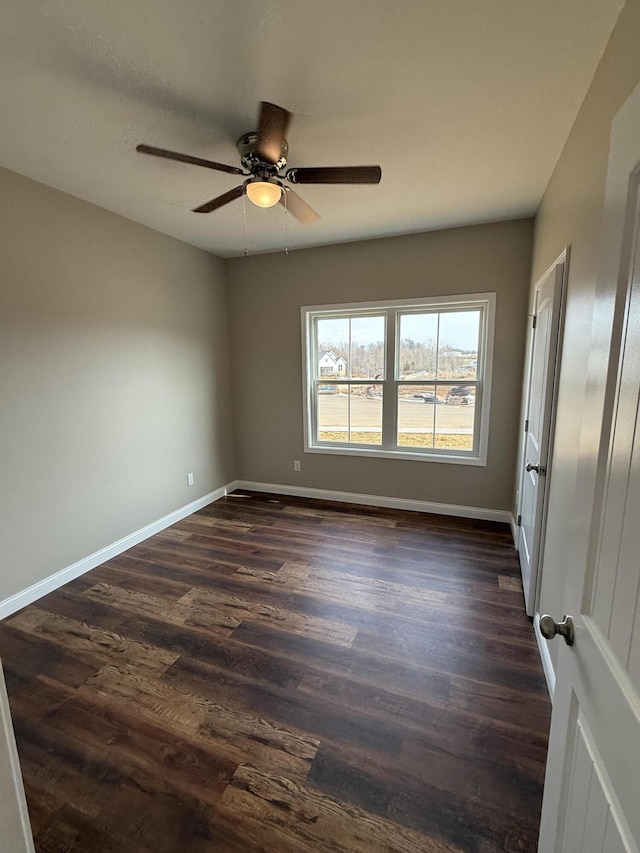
[[538, 426], [592, 786], [15, 829]]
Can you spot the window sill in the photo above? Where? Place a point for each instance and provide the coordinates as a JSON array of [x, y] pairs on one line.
[[398, 455]]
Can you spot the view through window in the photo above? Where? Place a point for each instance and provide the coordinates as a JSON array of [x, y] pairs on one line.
[[399, 378]]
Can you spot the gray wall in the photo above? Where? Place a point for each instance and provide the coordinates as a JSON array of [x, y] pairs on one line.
[[265, 296], [113, 379], [571, 214]]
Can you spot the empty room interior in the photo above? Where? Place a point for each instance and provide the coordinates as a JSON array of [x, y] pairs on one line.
[[319, 492]]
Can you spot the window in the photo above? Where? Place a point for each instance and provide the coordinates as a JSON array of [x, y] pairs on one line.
[[411, 378]]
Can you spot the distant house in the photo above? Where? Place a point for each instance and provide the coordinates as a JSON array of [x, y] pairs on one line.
[[330, 364]]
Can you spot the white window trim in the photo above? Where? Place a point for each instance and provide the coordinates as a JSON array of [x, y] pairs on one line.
[[487, 301]]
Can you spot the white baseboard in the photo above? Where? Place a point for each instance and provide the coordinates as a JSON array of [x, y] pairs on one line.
[[545, 657], [37, 590], [376, 500]]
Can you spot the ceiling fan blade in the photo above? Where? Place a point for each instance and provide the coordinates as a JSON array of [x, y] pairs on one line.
[[187, 158], [272, 127], [336, 175], [292, 202], [225, 198]]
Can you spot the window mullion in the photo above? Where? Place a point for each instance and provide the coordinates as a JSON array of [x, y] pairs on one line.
[[312, 389], [390, 395]]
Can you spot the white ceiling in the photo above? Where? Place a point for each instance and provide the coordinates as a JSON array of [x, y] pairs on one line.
[[465, 104]]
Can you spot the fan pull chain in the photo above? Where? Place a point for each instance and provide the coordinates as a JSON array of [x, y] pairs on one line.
[[286, 224], [244, 222]]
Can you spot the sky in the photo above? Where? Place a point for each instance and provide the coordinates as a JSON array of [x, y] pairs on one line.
[[458, 329]]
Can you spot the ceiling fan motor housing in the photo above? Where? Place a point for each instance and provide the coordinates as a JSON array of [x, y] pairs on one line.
[[247, 147]]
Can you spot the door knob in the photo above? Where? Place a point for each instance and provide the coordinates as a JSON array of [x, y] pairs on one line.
[[539, 469], [549, 628]]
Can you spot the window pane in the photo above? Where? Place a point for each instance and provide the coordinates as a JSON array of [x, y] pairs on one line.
[[333, 346], [428, 416], [349, 414], [366, 414], [332, 407], [417, 406], [367, 348], [418, 346], [458, 340], [455, 421], [351, 347]]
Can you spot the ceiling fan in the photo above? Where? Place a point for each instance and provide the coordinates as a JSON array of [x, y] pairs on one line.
[[263, 154]]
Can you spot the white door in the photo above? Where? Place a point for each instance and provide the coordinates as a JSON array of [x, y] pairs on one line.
[[592, 788], [535, 459]]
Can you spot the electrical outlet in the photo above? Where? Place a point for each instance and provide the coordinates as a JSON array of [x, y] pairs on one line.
[[296, 465], [190, 479]]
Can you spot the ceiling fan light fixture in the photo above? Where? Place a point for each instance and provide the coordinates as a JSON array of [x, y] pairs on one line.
[[264, 193]]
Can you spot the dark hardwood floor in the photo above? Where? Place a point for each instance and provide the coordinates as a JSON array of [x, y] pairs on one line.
[[283, 675]]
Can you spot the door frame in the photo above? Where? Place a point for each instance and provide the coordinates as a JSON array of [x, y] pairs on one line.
[[554, 365], [14, 815]]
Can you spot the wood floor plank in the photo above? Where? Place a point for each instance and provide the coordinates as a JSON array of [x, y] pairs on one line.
[[331, 592], [370, 593], [87, 641], [467, 823], [510, 710], [406, 673], [174, 613], [280, 674], [219, 612], [510, 583], [235, 732], [393, 555], [243, 610], [528, 709], [320, 822], [290, 657], [221, 523], [211, 555], [135, 742], [324, 719], [337, 518], [24, 654], [104, 804]]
